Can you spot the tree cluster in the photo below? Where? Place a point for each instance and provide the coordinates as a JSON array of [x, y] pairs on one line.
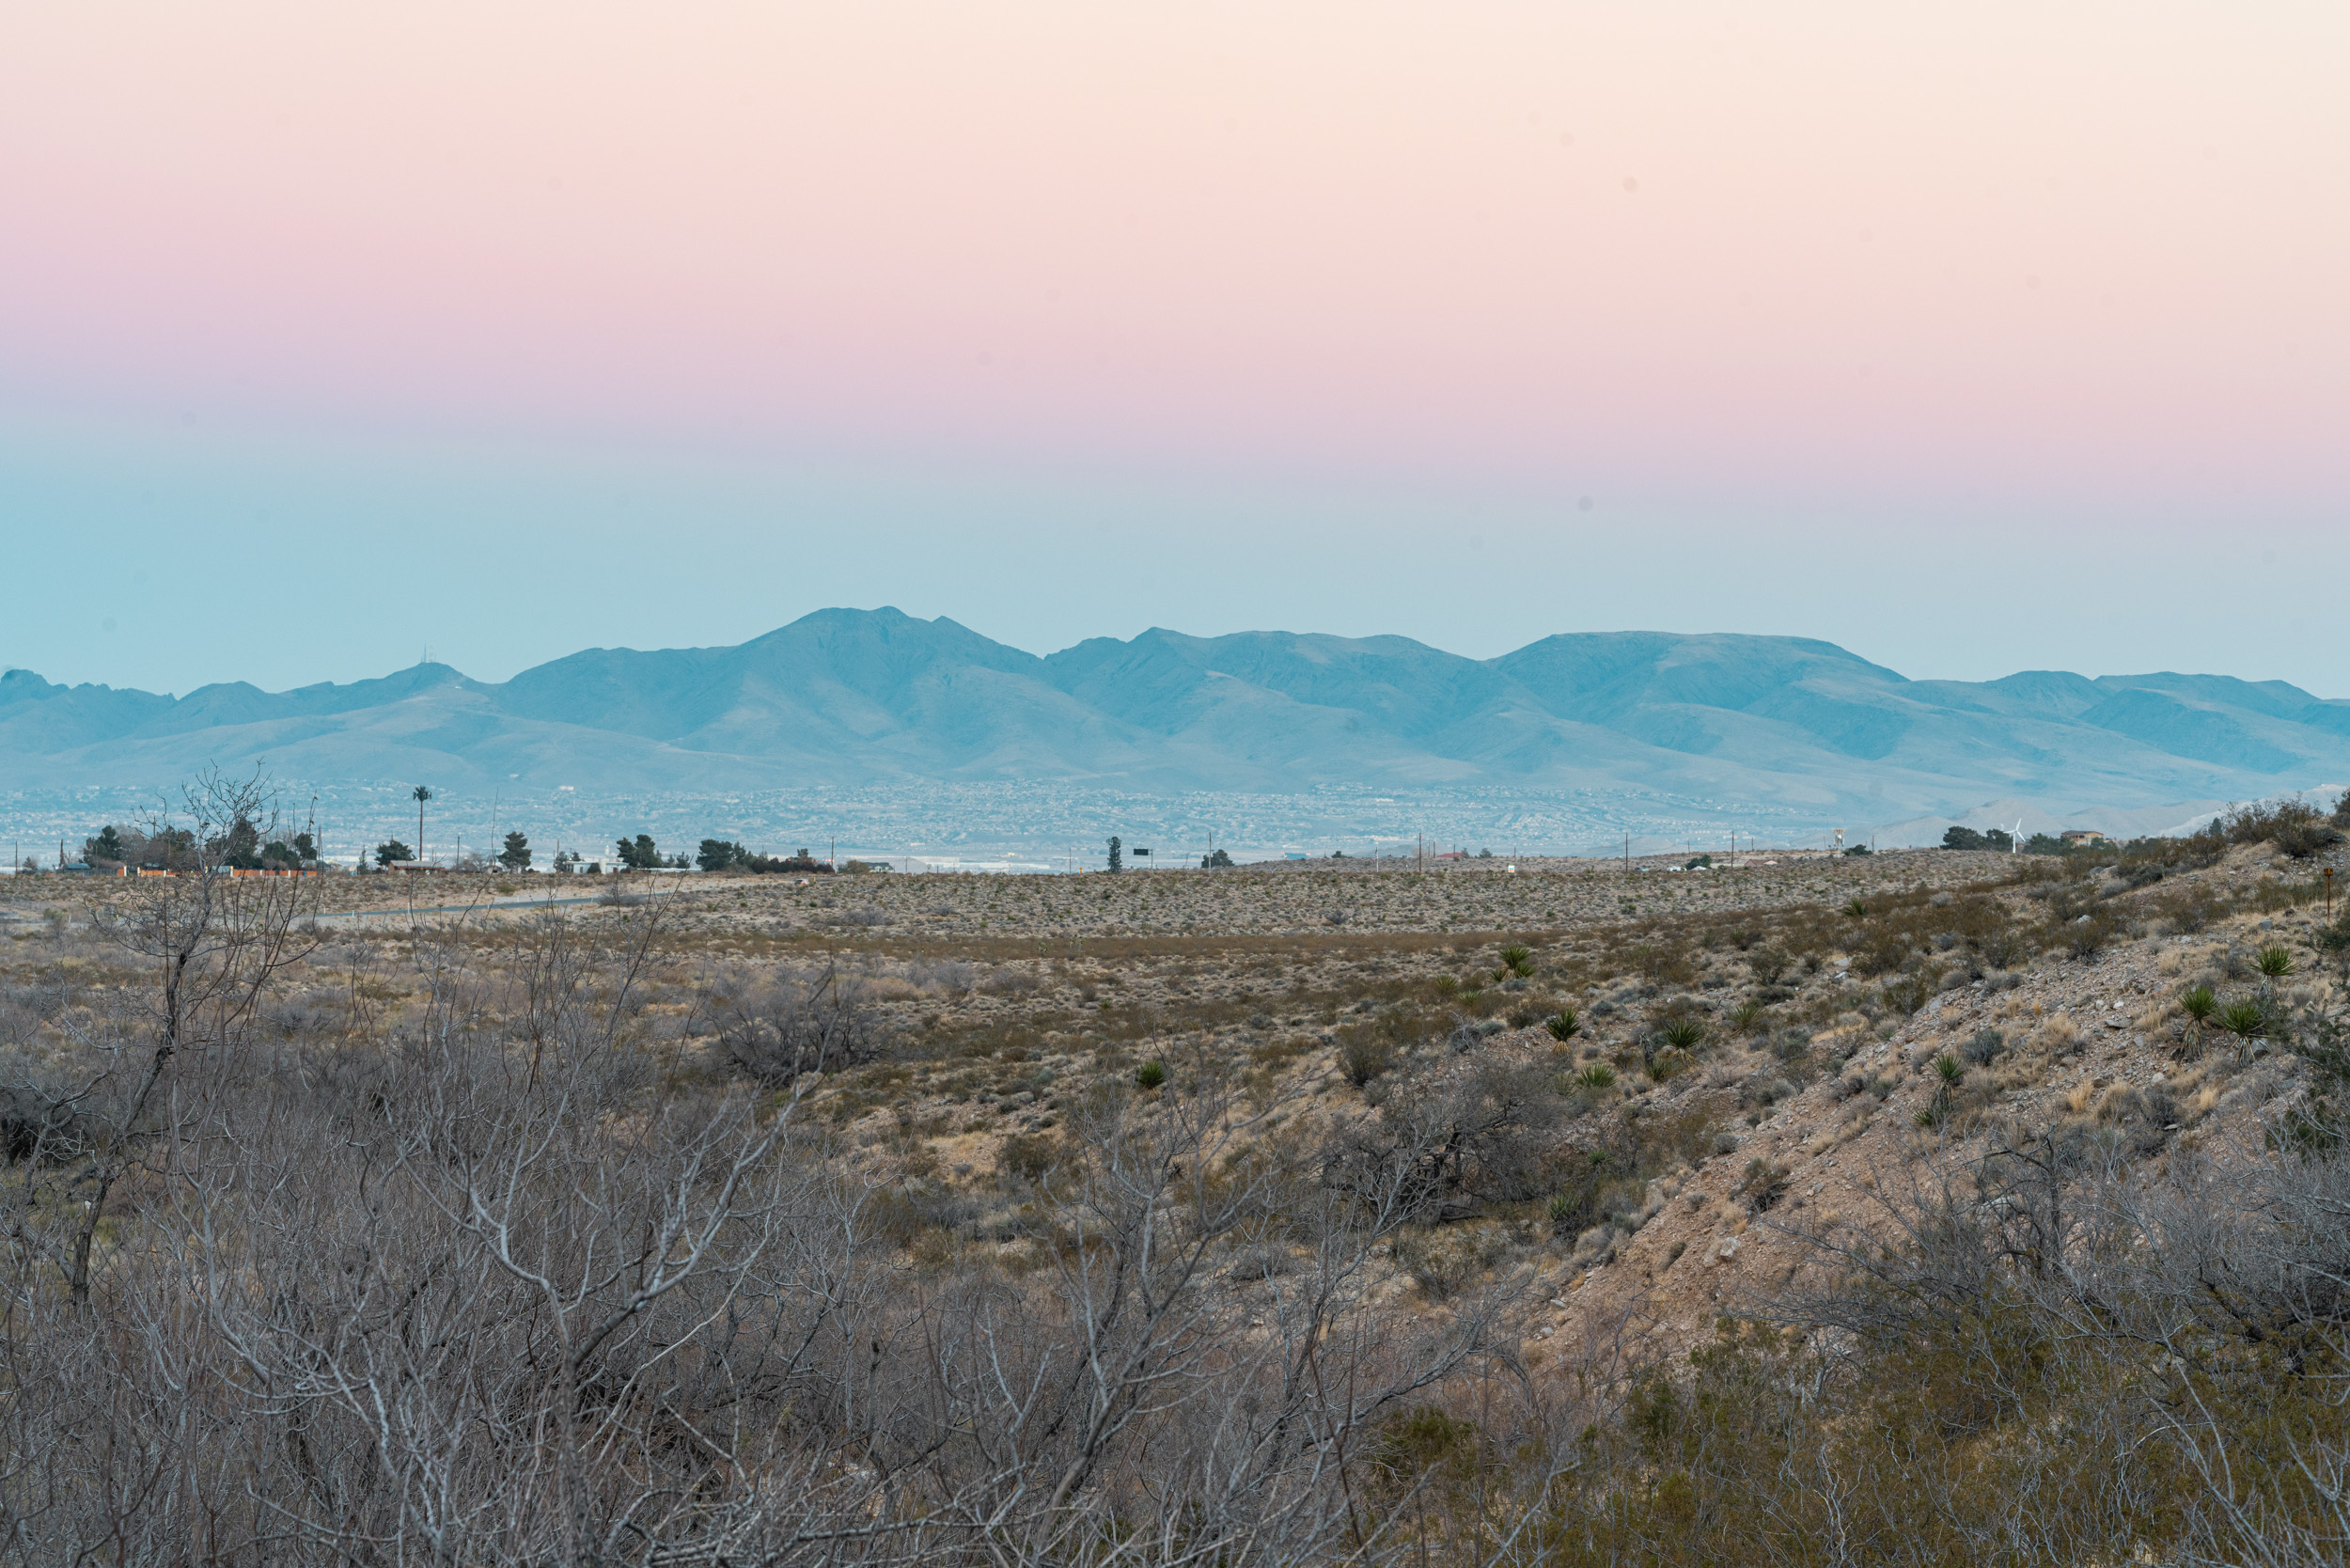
[[718, 855], [238, 844], [641, 853]]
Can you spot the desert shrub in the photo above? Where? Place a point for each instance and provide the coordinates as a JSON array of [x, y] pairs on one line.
[[1591, 1186], [904, 1214], [1999, 1363], [1908, 993], [2293, 827], [2303, 839], [1661, 964], [1761, 1185], [2087, 936], [1881, 950], [1450, 1144], [1364, 1058], [1030, 1156], [1983, 1047], [797, 1023], [2188, 910], [1469, 1036]]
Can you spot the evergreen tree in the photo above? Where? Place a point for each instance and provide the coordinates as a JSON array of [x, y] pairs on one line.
[[515, 857], [391, 850], [1118, 858], [240, 848]]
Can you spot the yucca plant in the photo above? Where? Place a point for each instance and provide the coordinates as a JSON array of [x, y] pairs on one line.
[[1746, 1017], [2198, 1003], [1598, 1075], [1563, 1025], [2246, 1018], [2274, 962], [1683, 1034]]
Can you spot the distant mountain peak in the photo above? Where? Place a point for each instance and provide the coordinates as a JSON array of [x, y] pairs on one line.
[[844, 696]]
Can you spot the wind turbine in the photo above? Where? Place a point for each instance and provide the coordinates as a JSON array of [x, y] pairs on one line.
[[2015, 839]]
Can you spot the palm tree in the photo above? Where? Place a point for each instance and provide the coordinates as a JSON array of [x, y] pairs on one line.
[[420, 794]]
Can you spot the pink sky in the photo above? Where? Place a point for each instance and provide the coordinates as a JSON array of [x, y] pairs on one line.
[[2090, 250]]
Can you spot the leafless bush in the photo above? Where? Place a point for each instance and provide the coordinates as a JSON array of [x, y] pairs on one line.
[[499, 1283], [950, 977], [1448, 1142], [484, 1294], [1010, 982], [797, 1023]]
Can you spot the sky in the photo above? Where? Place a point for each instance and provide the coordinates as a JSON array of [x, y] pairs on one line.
[[1973, 338]]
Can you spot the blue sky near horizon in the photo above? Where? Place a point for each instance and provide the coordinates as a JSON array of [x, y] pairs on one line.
[[170, 560]]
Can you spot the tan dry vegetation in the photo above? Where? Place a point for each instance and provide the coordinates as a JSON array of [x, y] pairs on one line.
[[1598, 1113]]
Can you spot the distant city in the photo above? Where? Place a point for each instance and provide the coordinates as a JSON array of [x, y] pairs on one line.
[[1011, 826]]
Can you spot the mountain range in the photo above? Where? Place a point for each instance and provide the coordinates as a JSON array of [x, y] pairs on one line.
[[847, 698]]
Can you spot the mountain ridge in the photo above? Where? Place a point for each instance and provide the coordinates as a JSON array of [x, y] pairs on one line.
[[848, 696]]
